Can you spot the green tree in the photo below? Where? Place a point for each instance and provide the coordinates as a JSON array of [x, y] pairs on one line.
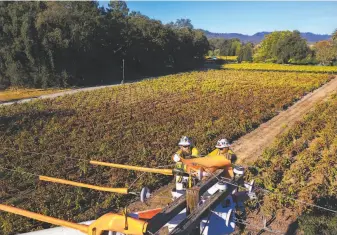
[[234, 47], [267, 51], [293, 48], [227, 47], [183, 23], [46, 44], [282, 47], [325, 52], [246, 53], [334, 36]]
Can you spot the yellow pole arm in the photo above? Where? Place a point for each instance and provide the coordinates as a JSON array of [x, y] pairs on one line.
[[135, 168], [107, 222], [115, 222], [99, 188], [81, 227]]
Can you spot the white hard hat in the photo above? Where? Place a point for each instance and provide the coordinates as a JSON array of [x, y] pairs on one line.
[[184, 141], [223, 143]]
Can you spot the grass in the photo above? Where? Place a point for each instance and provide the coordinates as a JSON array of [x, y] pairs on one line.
[[282, 67], [13, 94], [136, 124]]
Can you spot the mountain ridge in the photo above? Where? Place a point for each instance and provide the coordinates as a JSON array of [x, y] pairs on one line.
[[258, 37]]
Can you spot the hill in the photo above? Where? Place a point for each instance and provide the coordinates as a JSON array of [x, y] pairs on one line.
[[257, 37]]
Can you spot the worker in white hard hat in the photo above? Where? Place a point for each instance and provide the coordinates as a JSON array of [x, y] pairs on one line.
[[222, 148], [186, 150]]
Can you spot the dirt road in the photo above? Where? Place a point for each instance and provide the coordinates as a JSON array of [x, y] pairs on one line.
[[54, 95]]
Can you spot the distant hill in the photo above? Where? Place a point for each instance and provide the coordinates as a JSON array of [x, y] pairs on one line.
[[256, 38]]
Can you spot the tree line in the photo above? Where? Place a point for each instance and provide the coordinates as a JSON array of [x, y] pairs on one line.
[[282, 47], [46, 44]]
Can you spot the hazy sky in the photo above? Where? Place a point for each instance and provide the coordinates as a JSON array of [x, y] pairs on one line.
[[244, 17]]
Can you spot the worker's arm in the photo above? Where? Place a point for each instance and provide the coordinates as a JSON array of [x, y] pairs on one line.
[[213, 153], [195, 152], [233, 156]]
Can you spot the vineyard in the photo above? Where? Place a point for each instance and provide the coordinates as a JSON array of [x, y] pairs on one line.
[[302, 164], [282, 67], [138, 124]]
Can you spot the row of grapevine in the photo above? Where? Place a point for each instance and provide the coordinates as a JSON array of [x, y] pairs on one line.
[[282, 67], [302, 164]]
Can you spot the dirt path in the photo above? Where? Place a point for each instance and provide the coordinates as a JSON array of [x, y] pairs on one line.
[[249, 147], [54, 95]]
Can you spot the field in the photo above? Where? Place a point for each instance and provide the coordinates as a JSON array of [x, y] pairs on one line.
[[137, 124], [20, 93], [282, 67], [302, 164]]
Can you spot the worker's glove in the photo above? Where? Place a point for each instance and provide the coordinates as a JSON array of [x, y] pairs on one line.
[[176, 158]]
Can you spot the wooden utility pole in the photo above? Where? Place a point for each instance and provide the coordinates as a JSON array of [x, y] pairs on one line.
[[192, 201], [123, 73]]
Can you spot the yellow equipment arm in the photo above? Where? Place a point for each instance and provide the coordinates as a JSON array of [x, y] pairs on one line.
[[99, 188], [44, 218], [107, 222], [135, 168]]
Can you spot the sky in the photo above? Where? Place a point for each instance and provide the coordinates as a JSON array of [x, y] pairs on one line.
[[244, 17]]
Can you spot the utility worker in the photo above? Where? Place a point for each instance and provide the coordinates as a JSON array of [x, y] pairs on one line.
[[222, 148], [186, 150]]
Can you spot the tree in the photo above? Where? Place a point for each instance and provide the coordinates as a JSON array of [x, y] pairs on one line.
[[325, 52], [292, 48], [217, 52], [246, 53], [183, 23], [282, 47], [46, 44], [334, 36], [227, 47], [267, 51]]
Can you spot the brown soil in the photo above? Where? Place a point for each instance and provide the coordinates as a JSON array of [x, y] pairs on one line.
[[249, 147]]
